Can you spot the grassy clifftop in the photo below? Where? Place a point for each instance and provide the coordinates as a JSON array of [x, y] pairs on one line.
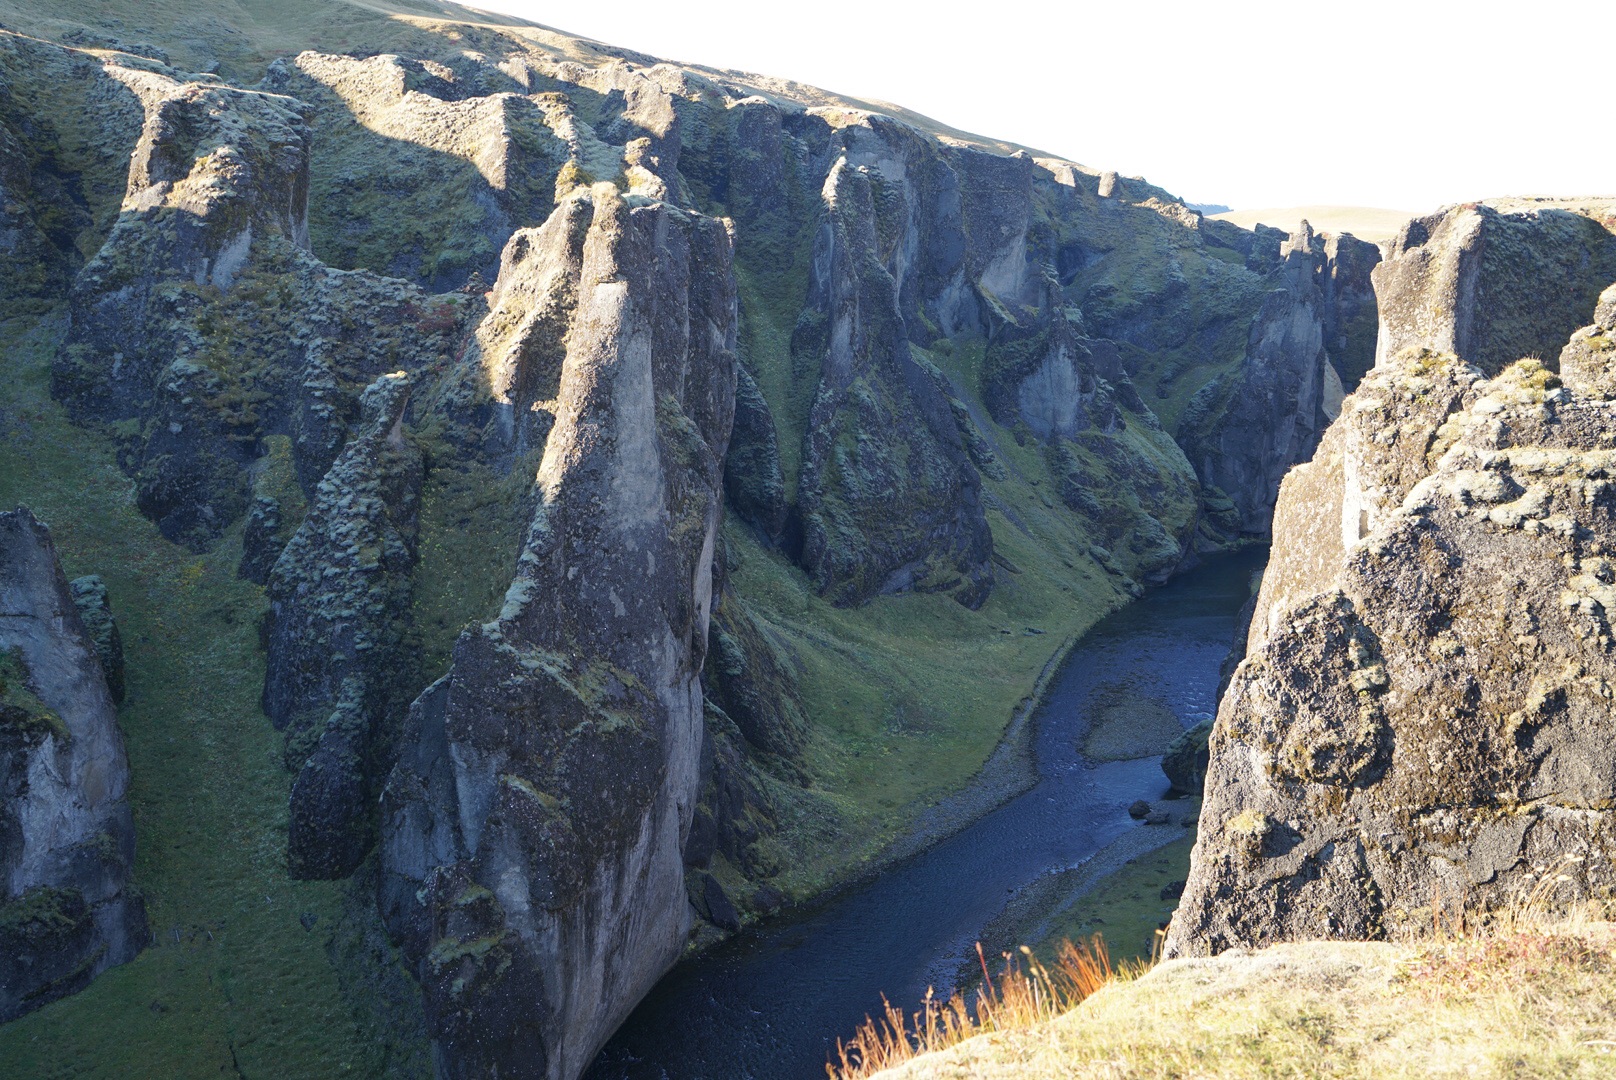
[[1520, 1003]]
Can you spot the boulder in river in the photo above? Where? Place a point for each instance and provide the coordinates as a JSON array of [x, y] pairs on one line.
[[1186, 759]]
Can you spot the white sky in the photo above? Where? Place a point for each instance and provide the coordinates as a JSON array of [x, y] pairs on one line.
[[1405, 104]]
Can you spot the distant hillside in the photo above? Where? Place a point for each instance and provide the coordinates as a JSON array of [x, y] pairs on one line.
[[1364, 222]]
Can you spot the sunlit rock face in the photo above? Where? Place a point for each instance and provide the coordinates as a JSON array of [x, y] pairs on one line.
[[535, 824], [1421, 721], [67, 839]]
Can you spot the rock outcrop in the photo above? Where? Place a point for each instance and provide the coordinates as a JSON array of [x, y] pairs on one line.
[[95, 609], [1420, 723], [534, 826], [203, 325], [67, 840], [885, 507], [1456, 282]]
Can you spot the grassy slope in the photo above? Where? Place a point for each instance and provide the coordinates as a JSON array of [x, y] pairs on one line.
[[1531, 1004], [234, 983], [1127, 907]]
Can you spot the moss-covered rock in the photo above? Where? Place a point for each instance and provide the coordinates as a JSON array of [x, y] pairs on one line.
[[1186, 759], [587, 682], [336, 634], [1420, 722], [90, 597]]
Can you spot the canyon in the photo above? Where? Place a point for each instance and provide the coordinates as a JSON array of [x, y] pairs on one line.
[[622, 500]]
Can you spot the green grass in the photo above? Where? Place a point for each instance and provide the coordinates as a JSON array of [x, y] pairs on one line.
[[1528, 1002], [909, 694], [472, 525], [771, 278], [233, 983], [1126, 907]]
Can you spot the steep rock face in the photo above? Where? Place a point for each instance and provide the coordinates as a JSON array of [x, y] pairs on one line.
[[753, 480], [1588, 361], [67, 841], [1420, 721], [339, 600], [510, 368], [1384, 442], [429, 168], [1344, 270], [534, 826], [27, 257], [95, 609], [59, 114], [885, 508], [1269, 415]]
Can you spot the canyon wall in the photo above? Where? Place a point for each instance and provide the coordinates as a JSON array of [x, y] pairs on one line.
[[471, 341]]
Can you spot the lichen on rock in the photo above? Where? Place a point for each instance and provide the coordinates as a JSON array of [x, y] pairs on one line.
[[336, 634], [552, 775]]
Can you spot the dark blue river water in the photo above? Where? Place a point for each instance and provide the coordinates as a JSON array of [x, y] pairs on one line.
[[770, 1004]]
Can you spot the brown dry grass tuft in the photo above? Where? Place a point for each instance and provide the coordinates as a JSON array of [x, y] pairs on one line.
[[1020, 999]]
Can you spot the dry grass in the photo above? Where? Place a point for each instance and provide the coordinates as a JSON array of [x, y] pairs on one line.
[[1529, 992], [1019, 999]]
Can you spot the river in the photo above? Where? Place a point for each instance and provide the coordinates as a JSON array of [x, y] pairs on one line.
[[770, 1003]]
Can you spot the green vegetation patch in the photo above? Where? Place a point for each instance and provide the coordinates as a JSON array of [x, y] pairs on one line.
[[908, 695], [771, 279], [472, 523], [1129, 907], [41, 914], [234, 983], [21, 713]]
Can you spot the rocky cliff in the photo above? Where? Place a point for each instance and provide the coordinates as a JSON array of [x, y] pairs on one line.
[[1419, 725], [67, 840]]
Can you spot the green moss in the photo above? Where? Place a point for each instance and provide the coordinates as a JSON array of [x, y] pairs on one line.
[[771, 278], [41, 913], [471, 528], [20, 711], [277, 479], [452, 950]]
